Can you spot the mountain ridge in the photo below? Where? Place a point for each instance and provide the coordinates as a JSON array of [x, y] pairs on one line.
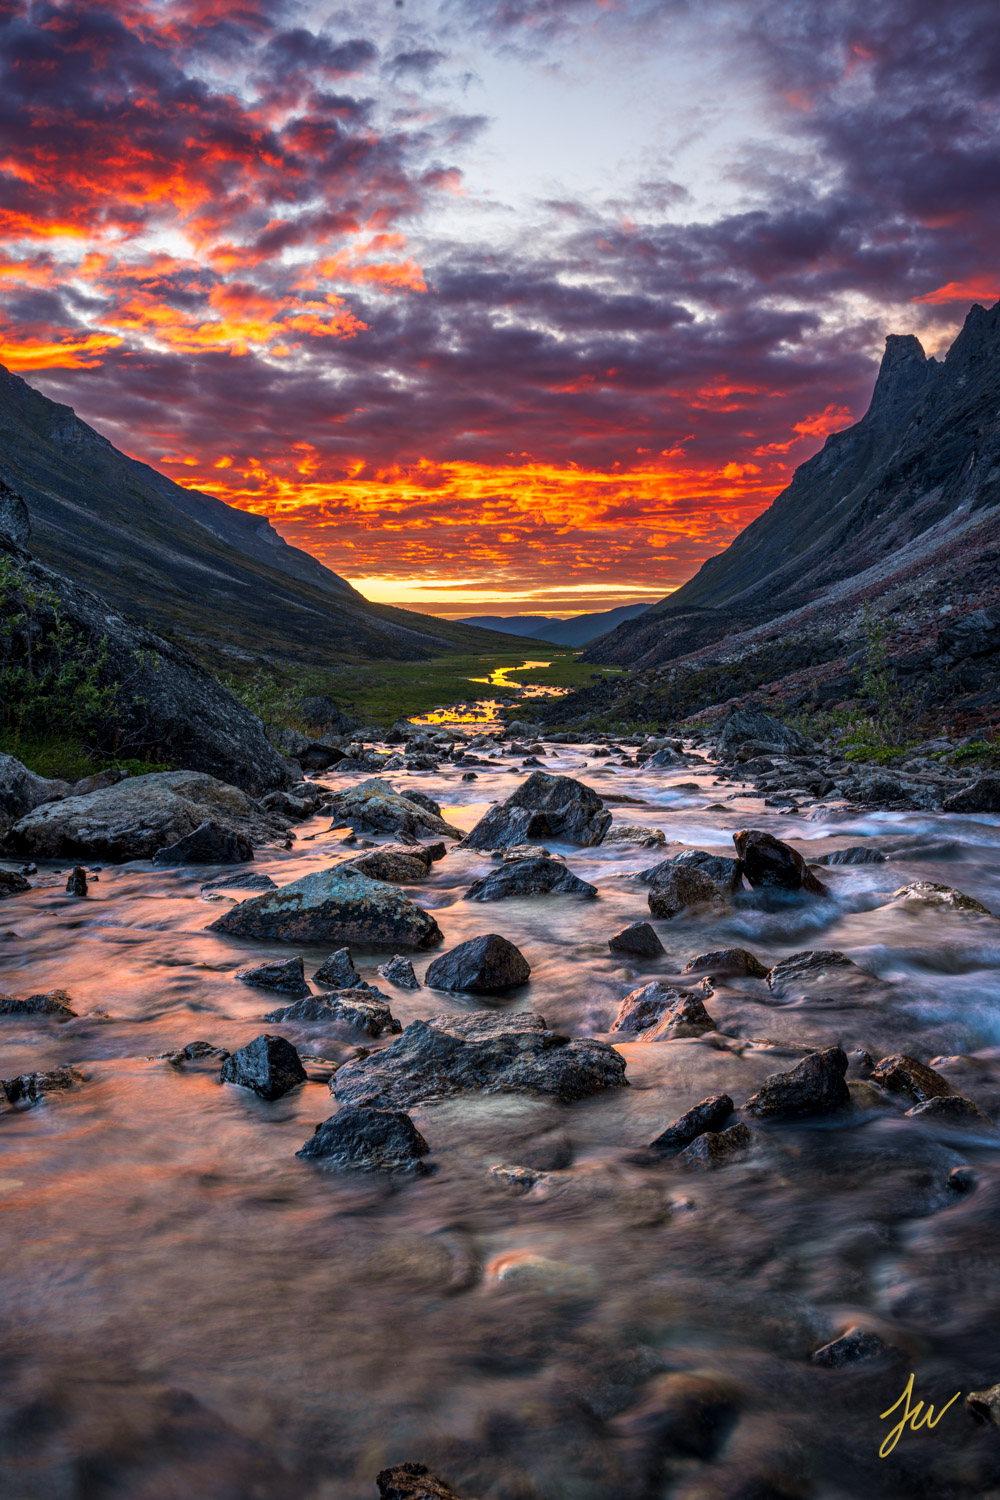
[[573, 630]]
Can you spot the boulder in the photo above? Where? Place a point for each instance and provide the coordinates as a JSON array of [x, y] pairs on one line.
[[984, 1406], [709, 1115], [487, 1052], [953, 1110], [21, 791], [54, 1003], [76, 885], [816, 968], [359, 1139], [769, 864], [544, 806], [338, 971], [816, 1086], [658, 1012], [901, 1074], [713, 1149], [857, 854], [735, 961], [285, 974], [31, 1088], [137, 817], [320, 712], [310, 754], [399, 971], [412, 1482], [364, 1009], [485, 965], [666, 758], [390, 864], [529, 877], [14, 884], [751, 723], [634, 833], [424, 801], [375, 807], [268, 1065], [981, 796], [339, 905], [208, 844], [638, 940], [723, 871], [924, 893], [681, 887]]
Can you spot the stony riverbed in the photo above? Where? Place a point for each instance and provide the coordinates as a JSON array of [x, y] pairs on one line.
[[188, 1309]]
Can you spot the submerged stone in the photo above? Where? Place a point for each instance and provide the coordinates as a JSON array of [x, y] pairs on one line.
[[268, 1065], [335, 905], [361, 1139]]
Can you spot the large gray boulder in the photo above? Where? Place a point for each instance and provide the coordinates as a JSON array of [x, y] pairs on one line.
[[485, 965], [750, 724], [137, 817], [546, 806], [375, 807], [21, 790], [481, 1051], [339, 906]]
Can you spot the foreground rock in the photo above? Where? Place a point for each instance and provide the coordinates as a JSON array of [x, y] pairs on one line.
[[285, 974], [716, 1148], [13, 884], [397, 863], [901, 1074], [208, 844], [484, 966], [953, 1111], [268, 1065], [54, 1003], [546, 806], [76, 885], [139, 816], [710, 1114], [365, 1010], [725, 961], [816, 968], [399, 971], [982, 796], [658, 1012], [928, 893], [634, 833], [682, 887], [482, 1051], [338, 972], [767, 863], [529, 877], [857, 854], [31, 1088], [412, 1482], [375, 807], [21, 790], [814, 1087], [638, 940], [359, 1139], [333, 906]]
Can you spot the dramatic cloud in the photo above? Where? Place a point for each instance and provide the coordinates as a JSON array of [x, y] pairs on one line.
[[266, 256]]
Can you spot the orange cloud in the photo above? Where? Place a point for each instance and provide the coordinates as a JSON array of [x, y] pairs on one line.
[[976, 289]]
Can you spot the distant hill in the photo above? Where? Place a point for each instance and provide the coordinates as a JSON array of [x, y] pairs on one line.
[[217, 578], [578, 630]]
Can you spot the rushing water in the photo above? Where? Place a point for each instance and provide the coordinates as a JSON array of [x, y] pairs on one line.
[[189, 1311]]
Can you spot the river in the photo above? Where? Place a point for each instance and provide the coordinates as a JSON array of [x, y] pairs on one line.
[[189, 1310]]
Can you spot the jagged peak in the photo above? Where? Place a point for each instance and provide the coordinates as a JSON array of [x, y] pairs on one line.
[[980, 334], [902, 375]]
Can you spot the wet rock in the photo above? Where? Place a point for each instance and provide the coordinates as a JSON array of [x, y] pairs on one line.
[[285, 974], [31, 1088], [857, 854], [525, 851], [709, 1115], [197, 1052], [962, 1179], [424, 801], [338, 971], [953, 1110], [715, 1149], [399, 971], [550, 1152], [945, 897], [320, 712], [634, 833], [545, 806], [21, 791], [242, 881], [666, 757], [679, 888], [208, 844], [482, 1051], [390, 864], [485, 965], [529, 877], [813, 967], [375, 807], [13, 884], [900, 1074], [638, 940], [852, 1348], [54, 1003], [364, 1009], [76, 885], [735, 961], [982, 796], [268, 1065], [519, 1180], [984, 1406], [360, 1139], [750, 724], [336, 905], [767, 863], [138, 817], [816, 1086], [657, 1012], [469, 776], [722, 871]]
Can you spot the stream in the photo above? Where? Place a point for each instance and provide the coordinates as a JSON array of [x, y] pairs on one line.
[[190, 1311]]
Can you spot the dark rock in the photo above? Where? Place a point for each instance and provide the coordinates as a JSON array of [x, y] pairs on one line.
[[483, 1051], [338, 971], [736, 961], [422, 800], [815, 1086], [545, 806], [750, 722], [681, 887], [31, 1088], [962, 1179], [984, 1406], [929, 893], [638, 940], [857, 854], [360, 1139], [469, 776], [851, 1348], [53, 1003], [666, 757], [197, 1052], [484, 966], [412, 1482], [374, 807], [269, 1065], [76, 885], [721, 870], [13, 884], [982, 796], [399, 971], [709, 1115], [390, 864], [243, 881], [286, 974], [336, 905], [15, 521], [768, 863], [814, 968], [97, 782], [364, 1009], [21, 791], [658, 1012], [901, 1074], [714, 1149], [551, 1152], [208, 844], [953, 1110], [529, 877], [321, 712]]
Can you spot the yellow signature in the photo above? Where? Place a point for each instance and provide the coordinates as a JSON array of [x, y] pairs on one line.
[[911, 1417]]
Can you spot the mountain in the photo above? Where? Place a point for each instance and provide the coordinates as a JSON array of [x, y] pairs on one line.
[[220, 579], [577, 630], [884, 498]]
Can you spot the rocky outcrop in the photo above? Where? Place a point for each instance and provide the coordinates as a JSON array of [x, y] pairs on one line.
[[54, 1003], [925, 893], [486, 965], [484, 1052], [284, 974], [726, 961], [716, 1148], [138, 817], [412, 1482], [360, 1139], [916, 1081], [529, 877], [32, 1088], [546, 806], [981, 796], [333, 906]]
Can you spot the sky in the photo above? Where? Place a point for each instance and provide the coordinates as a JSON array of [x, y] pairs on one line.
[[495, 306]]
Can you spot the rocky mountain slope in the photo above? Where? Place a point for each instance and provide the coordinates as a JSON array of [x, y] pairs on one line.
[[219, 579]]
